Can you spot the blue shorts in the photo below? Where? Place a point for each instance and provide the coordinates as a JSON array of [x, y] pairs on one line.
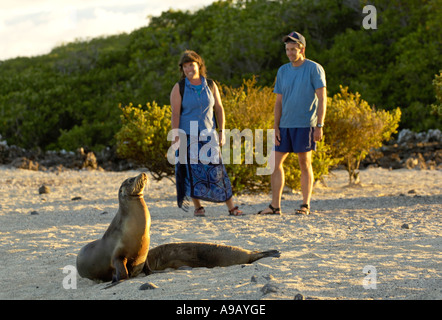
[[296, 140]]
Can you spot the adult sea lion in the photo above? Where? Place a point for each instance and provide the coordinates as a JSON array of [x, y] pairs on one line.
[[199, 254], [122, 251]]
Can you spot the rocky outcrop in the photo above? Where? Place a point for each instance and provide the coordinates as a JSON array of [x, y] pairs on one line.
[[59, 160], [411, 150]]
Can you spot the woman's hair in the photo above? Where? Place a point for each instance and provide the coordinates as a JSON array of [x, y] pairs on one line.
[[192, 56]]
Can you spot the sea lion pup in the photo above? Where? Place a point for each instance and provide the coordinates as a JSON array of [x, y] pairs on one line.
[[198, 254], [122, 251]]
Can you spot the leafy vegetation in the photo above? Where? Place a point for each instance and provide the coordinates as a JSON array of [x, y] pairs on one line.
[[354, 128], [143, 137], [437, 107], [69, 98]]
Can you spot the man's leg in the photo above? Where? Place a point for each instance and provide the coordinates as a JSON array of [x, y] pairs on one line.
[[307, 179], [277, 180]]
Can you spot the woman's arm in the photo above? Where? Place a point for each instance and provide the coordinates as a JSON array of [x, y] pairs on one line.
[[220, 116], [175, 103]]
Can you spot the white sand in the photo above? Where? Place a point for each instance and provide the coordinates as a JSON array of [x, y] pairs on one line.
[[322, 255]]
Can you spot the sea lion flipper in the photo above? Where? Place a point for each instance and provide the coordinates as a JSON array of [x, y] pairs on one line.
[[120, 269], [271, 253], [146, 269], [112, 284]]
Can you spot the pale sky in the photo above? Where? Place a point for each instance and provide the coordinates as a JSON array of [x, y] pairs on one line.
[[34, 27]]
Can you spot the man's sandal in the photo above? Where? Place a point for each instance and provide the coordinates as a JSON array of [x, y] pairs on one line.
[[304, 210], [235, 212], [200, 212], [276, 211]]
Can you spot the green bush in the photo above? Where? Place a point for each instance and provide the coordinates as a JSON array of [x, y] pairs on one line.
[[251, 107], [78, 85], [248, 107], [143, 137], [437, 85], [93, 136], [322, 162], [354, 128]]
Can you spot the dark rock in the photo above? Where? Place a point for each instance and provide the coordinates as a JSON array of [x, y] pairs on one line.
[[44, 189], [269, 277], [148, 286], [299, 297], [25, 163], [411, 150], [269, 287], [90, 161]]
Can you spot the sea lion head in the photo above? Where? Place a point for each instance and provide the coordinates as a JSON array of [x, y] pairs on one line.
[[133, 187]]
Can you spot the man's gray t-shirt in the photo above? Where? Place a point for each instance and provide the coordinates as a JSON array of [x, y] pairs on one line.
[[297, 86]]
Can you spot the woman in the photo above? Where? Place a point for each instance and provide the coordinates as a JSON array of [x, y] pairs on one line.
[[193, 108]]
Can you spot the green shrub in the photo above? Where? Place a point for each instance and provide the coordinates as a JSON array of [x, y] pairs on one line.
[[247, 108], [437, 85], [93, 136], [354, 128], [143, 137], [251, 107]]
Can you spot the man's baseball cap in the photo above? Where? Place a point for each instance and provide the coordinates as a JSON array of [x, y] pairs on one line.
[[294, 36]]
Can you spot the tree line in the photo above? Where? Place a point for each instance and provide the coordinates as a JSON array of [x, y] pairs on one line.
[[71, 96]]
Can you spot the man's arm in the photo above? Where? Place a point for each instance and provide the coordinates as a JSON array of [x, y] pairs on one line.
[[322, 108], [277, 112]]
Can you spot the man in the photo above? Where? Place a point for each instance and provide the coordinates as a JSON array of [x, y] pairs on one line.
[[299, 118]]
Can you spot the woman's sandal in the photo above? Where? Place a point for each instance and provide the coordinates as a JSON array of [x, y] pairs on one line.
[[235, 212], [200, 212], [276, 211], [304, 210]]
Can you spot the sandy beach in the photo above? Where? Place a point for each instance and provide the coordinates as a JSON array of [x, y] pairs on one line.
[[390, 225]]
